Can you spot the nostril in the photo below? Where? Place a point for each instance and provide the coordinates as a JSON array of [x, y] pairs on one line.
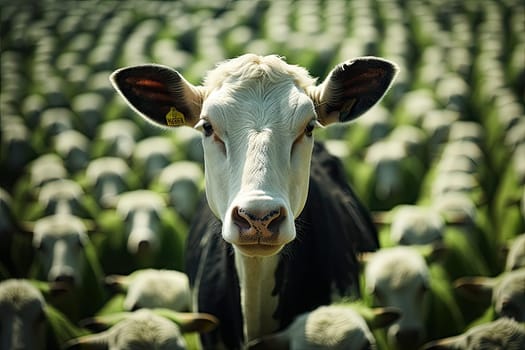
[[275, 222], [143, 246], [240, 219]]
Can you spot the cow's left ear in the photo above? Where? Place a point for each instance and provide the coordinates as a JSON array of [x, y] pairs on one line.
[[352, 88], [159, 94]]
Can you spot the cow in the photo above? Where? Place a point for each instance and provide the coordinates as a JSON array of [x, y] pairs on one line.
[[44, 169], [416, 225], [66, 258], [73, 148], [116, 138], [391, 176], [400, 277], [143, 233], [500, 334], [17, 150], [335, 326], [63, 196], [152, 288], [27, 321], [106, 178], [152, 155], [144, 329], [257, 115], [182, 181], [505, 293]]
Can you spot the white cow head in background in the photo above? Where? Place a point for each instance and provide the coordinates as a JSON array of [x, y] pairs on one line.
[[60, 240], [256, 115]]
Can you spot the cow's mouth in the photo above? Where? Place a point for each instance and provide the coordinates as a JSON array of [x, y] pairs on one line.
[[259, 249]]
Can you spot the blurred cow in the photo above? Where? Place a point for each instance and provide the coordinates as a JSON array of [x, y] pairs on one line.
[[116, 138], [151, 288], [22, 316], [502, 334], [107, 178], [63, 196], [53, 121], [27, 322], [183, 182], [416, 225], [144, 329], [336, 327], [46, 168], [400, 277], [391, 175], [151, 155], [143, 233], [16, 149], [73, 147], [507, 293], [66, 258]]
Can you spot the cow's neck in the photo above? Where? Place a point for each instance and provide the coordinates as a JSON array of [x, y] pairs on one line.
[[257, 281]]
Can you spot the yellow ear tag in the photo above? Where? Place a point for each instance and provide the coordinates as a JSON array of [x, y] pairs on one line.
[[175, 118]]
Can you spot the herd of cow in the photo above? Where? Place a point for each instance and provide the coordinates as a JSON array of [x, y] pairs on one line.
[[140, 233]]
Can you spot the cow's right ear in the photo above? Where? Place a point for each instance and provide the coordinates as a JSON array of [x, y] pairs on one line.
[[159, 94]]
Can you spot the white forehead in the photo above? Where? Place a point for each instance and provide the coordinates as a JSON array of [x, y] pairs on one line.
[[396, 267], [335, 326], [259, 89], [259, 105], [106, 165], [139, 199], [156, 288], [60, 189], [145, 327], [18, 293], [250, 67], [59, 226], [418, 224]]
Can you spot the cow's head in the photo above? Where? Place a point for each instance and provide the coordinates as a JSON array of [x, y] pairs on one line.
[[60, 240], [256, 115]]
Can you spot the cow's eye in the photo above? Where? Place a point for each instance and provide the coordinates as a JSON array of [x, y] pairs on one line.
[[310, 128], [206, 127]]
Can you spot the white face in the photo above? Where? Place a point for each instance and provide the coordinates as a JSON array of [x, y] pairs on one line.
[[257, 148], [398, 277], [22, 316], [256, 114], [60, 250]]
